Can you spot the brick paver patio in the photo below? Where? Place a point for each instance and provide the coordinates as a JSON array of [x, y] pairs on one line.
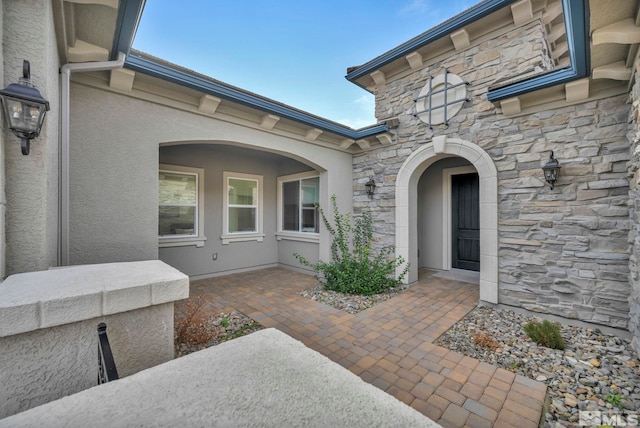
[[389, 345]]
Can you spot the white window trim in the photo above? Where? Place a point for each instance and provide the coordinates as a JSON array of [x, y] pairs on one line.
[[298, 236], [199, 239], [289, 234], [227, 237]]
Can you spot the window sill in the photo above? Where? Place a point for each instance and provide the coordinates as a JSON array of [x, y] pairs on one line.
[[197, 241], [227, 239], [298, 236]]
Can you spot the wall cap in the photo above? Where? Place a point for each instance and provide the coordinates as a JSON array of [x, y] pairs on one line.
[[36, 300]]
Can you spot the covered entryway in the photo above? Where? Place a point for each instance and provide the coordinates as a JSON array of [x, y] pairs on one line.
[[475, 245], [225, 208]]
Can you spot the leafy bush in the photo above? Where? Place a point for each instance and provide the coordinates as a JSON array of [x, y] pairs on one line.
[[545, 334], [355, 269]]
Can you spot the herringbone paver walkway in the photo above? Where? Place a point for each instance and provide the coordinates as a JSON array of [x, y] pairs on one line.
[[389, 345]]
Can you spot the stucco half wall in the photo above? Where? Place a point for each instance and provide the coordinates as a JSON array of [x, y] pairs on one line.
[[407, 207]]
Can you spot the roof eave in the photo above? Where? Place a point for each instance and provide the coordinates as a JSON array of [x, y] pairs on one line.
[[474, 13], [129, 14], [577, 32], [167, 73]]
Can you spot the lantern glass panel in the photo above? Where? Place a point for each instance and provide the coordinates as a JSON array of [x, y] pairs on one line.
[[24, 116]]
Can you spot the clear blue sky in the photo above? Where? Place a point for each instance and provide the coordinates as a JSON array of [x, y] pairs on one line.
[[293, 51]]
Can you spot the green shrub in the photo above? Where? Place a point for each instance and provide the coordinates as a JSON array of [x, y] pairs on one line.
[[614, 399], [354, 269], [545, 334]]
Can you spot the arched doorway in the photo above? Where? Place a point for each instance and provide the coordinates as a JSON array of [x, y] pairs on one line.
[[407, 210]]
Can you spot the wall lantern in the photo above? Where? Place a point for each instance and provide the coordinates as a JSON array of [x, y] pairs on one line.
[[371, 187], [24, 108], [551, 170]]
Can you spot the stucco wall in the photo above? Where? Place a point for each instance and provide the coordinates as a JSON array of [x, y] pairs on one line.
[[48, 334], [564, 251], [31, 181], [215, 159], [3, 131], [66, 360], [114, 169], [634, 204]]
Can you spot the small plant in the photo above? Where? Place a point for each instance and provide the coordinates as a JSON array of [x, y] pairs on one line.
[[353, 268], [545, 334], [246, 329], [515, 365], [486, 341], [194, 329], [225, 322], [614, 399]]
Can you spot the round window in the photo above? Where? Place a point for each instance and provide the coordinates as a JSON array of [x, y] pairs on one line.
[[441, 96]]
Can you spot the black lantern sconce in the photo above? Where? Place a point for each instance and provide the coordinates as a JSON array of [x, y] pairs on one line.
[[371, 187], [551, 170], [24, 108]]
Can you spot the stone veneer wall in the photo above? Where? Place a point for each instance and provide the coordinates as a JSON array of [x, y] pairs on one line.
[[563, 251], [634, 203]]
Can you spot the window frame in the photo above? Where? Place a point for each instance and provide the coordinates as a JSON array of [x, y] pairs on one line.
[[257, 235], [197, 239], [290, 234]]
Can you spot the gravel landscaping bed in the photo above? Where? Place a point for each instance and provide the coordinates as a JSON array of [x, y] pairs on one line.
[[348, 302], [210, 331], [596, 371]]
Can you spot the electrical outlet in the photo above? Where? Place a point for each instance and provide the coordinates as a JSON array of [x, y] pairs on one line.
[[215, 256]]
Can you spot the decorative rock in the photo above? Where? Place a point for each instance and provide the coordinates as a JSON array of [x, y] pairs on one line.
[[348, 302], [571, 360], [577, 379], [588, 381], [559, 406], [570, 400]]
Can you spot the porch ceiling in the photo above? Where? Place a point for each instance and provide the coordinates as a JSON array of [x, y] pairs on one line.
[[85, 30], [615, 34]]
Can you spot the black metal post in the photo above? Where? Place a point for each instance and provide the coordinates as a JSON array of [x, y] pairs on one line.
[[106, 365]]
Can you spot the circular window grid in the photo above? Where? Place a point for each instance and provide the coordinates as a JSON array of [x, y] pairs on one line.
[[437, 97]]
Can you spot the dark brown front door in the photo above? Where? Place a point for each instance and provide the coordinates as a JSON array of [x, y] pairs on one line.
[[465, 207]]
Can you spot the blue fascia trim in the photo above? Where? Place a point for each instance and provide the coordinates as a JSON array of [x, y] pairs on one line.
[[474, 13], [129, 15], [164, 72], [576, 19]]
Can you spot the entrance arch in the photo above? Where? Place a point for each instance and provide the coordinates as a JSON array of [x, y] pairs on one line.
[[407, 209]]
